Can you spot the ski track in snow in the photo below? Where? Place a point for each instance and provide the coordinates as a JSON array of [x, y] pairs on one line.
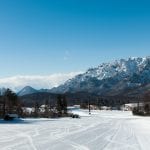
[[103, 130]]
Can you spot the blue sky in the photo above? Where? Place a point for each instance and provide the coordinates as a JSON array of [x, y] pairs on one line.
[[41, 37]]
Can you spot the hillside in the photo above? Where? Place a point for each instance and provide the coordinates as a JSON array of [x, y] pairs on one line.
[[110, 79]]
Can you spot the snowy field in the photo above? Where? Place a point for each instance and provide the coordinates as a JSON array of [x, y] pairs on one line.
[[103, 130]]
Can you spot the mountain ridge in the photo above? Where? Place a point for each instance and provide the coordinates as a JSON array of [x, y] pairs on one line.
[[114, 77], [27, 90], [120, 77]]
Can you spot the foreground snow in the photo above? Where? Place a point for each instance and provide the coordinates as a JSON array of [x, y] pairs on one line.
[[103, 130]]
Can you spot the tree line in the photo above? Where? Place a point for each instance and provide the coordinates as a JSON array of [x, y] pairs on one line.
[[10, 103]]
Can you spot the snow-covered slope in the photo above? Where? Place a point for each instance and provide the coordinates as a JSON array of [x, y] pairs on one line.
[[103, 130], [111, 77]]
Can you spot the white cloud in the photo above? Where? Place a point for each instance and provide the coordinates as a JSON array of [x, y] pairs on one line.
[[37, 81]]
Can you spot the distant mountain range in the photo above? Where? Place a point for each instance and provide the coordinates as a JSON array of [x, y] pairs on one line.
[[109, 79], [121, 77], [29, 90]]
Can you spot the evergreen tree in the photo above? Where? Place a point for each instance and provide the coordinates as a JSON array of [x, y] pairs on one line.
[[10, 102], [59, 104], [36, 109], [64, 105], [46, 111]]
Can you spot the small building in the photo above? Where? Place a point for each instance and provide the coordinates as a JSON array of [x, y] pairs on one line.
[[131, 106]]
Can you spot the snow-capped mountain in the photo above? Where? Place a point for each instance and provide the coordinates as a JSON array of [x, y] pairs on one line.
[[27, 90], [110, 78]]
